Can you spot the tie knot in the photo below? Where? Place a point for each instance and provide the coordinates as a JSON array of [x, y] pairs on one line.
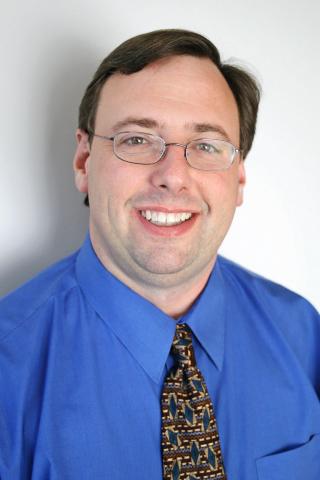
[[182, 348]]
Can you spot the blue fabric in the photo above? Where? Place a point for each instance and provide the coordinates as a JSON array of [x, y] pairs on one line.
[[83, 359]]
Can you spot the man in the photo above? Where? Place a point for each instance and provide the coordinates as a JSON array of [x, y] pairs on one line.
[[90, 387]]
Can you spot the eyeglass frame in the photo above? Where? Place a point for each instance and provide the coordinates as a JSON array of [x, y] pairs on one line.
[[237, 151]]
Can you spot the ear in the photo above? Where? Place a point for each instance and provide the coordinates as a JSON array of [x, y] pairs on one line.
[[81, 161], [241, 181]]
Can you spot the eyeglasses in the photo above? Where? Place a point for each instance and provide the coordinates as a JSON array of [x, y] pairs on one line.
[[147, 149]]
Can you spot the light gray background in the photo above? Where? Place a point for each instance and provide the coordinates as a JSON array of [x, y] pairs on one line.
[[49, 51]]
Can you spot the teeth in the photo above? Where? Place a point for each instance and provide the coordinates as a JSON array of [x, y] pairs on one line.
[[162, 218], [171, 218], [166, 219]]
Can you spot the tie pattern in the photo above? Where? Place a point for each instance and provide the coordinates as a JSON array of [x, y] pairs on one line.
[[190, 441]]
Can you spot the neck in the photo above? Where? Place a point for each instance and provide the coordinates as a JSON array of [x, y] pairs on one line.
[[172, 293], [173, 300]]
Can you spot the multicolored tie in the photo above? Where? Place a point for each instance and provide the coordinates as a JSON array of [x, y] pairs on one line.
[[190, 441]]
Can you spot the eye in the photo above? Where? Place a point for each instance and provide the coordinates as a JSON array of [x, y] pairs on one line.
[[207, 147], [134, 140]]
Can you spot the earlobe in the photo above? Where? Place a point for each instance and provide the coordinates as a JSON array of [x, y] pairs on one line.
[[241, 182], [81, 161]]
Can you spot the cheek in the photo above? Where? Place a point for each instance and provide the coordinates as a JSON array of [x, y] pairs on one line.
[[220, 192], [113, 181]]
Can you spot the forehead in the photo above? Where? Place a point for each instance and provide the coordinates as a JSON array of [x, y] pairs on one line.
[[175, 91]]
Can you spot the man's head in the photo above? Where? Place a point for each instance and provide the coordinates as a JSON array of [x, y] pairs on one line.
[[170, 84], [136, 53]]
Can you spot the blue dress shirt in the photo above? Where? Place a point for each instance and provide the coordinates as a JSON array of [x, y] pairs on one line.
[[83, 359]]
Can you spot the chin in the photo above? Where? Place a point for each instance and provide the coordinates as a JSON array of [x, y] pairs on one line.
[[171, 265], [163, 262]]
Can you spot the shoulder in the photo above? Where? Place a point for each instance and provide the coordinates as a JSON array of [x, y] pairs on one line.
[[36, 295], [263, 291], [285, 316]]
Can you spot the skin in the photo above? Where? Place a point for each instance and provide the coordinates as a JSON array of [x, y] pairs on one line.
[[182, 98]]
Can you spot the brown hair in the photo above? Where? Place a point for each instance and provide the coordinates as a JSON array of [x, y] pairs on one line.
[[138, 52]]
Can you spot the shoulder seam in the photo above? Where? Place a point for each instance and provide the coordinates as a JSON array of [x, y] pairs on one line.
[[24, 319]]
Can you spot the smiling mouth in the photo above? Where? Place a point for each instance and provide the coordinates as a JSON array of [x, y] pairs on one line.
[[165, 219]]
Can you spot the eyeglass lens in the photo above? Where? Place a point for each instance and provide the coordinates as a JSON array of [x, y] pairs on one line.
[[203, 154]]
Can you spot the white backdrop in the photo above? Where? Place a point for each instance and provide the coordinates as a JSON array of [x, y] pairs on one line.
[[49, 51]]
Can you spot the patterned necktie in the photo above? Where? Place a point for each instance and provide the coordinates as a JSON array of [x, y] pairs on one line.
[[190, 440]]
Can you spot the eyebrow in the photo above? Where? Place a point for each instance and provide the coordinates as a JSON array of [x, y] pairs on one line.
[[140, 122], [146, 122]]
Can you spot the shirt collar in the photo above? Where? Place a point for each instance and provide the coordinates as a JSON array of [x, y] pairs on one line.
[[207, 316], [142, 328]]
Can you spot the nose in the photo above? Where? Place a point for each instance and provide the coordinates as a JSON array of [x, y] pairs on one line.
[[172, 172]]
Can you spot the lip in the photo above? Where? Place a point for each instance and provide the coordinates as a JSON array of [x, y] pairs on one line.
[[166, 231]]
